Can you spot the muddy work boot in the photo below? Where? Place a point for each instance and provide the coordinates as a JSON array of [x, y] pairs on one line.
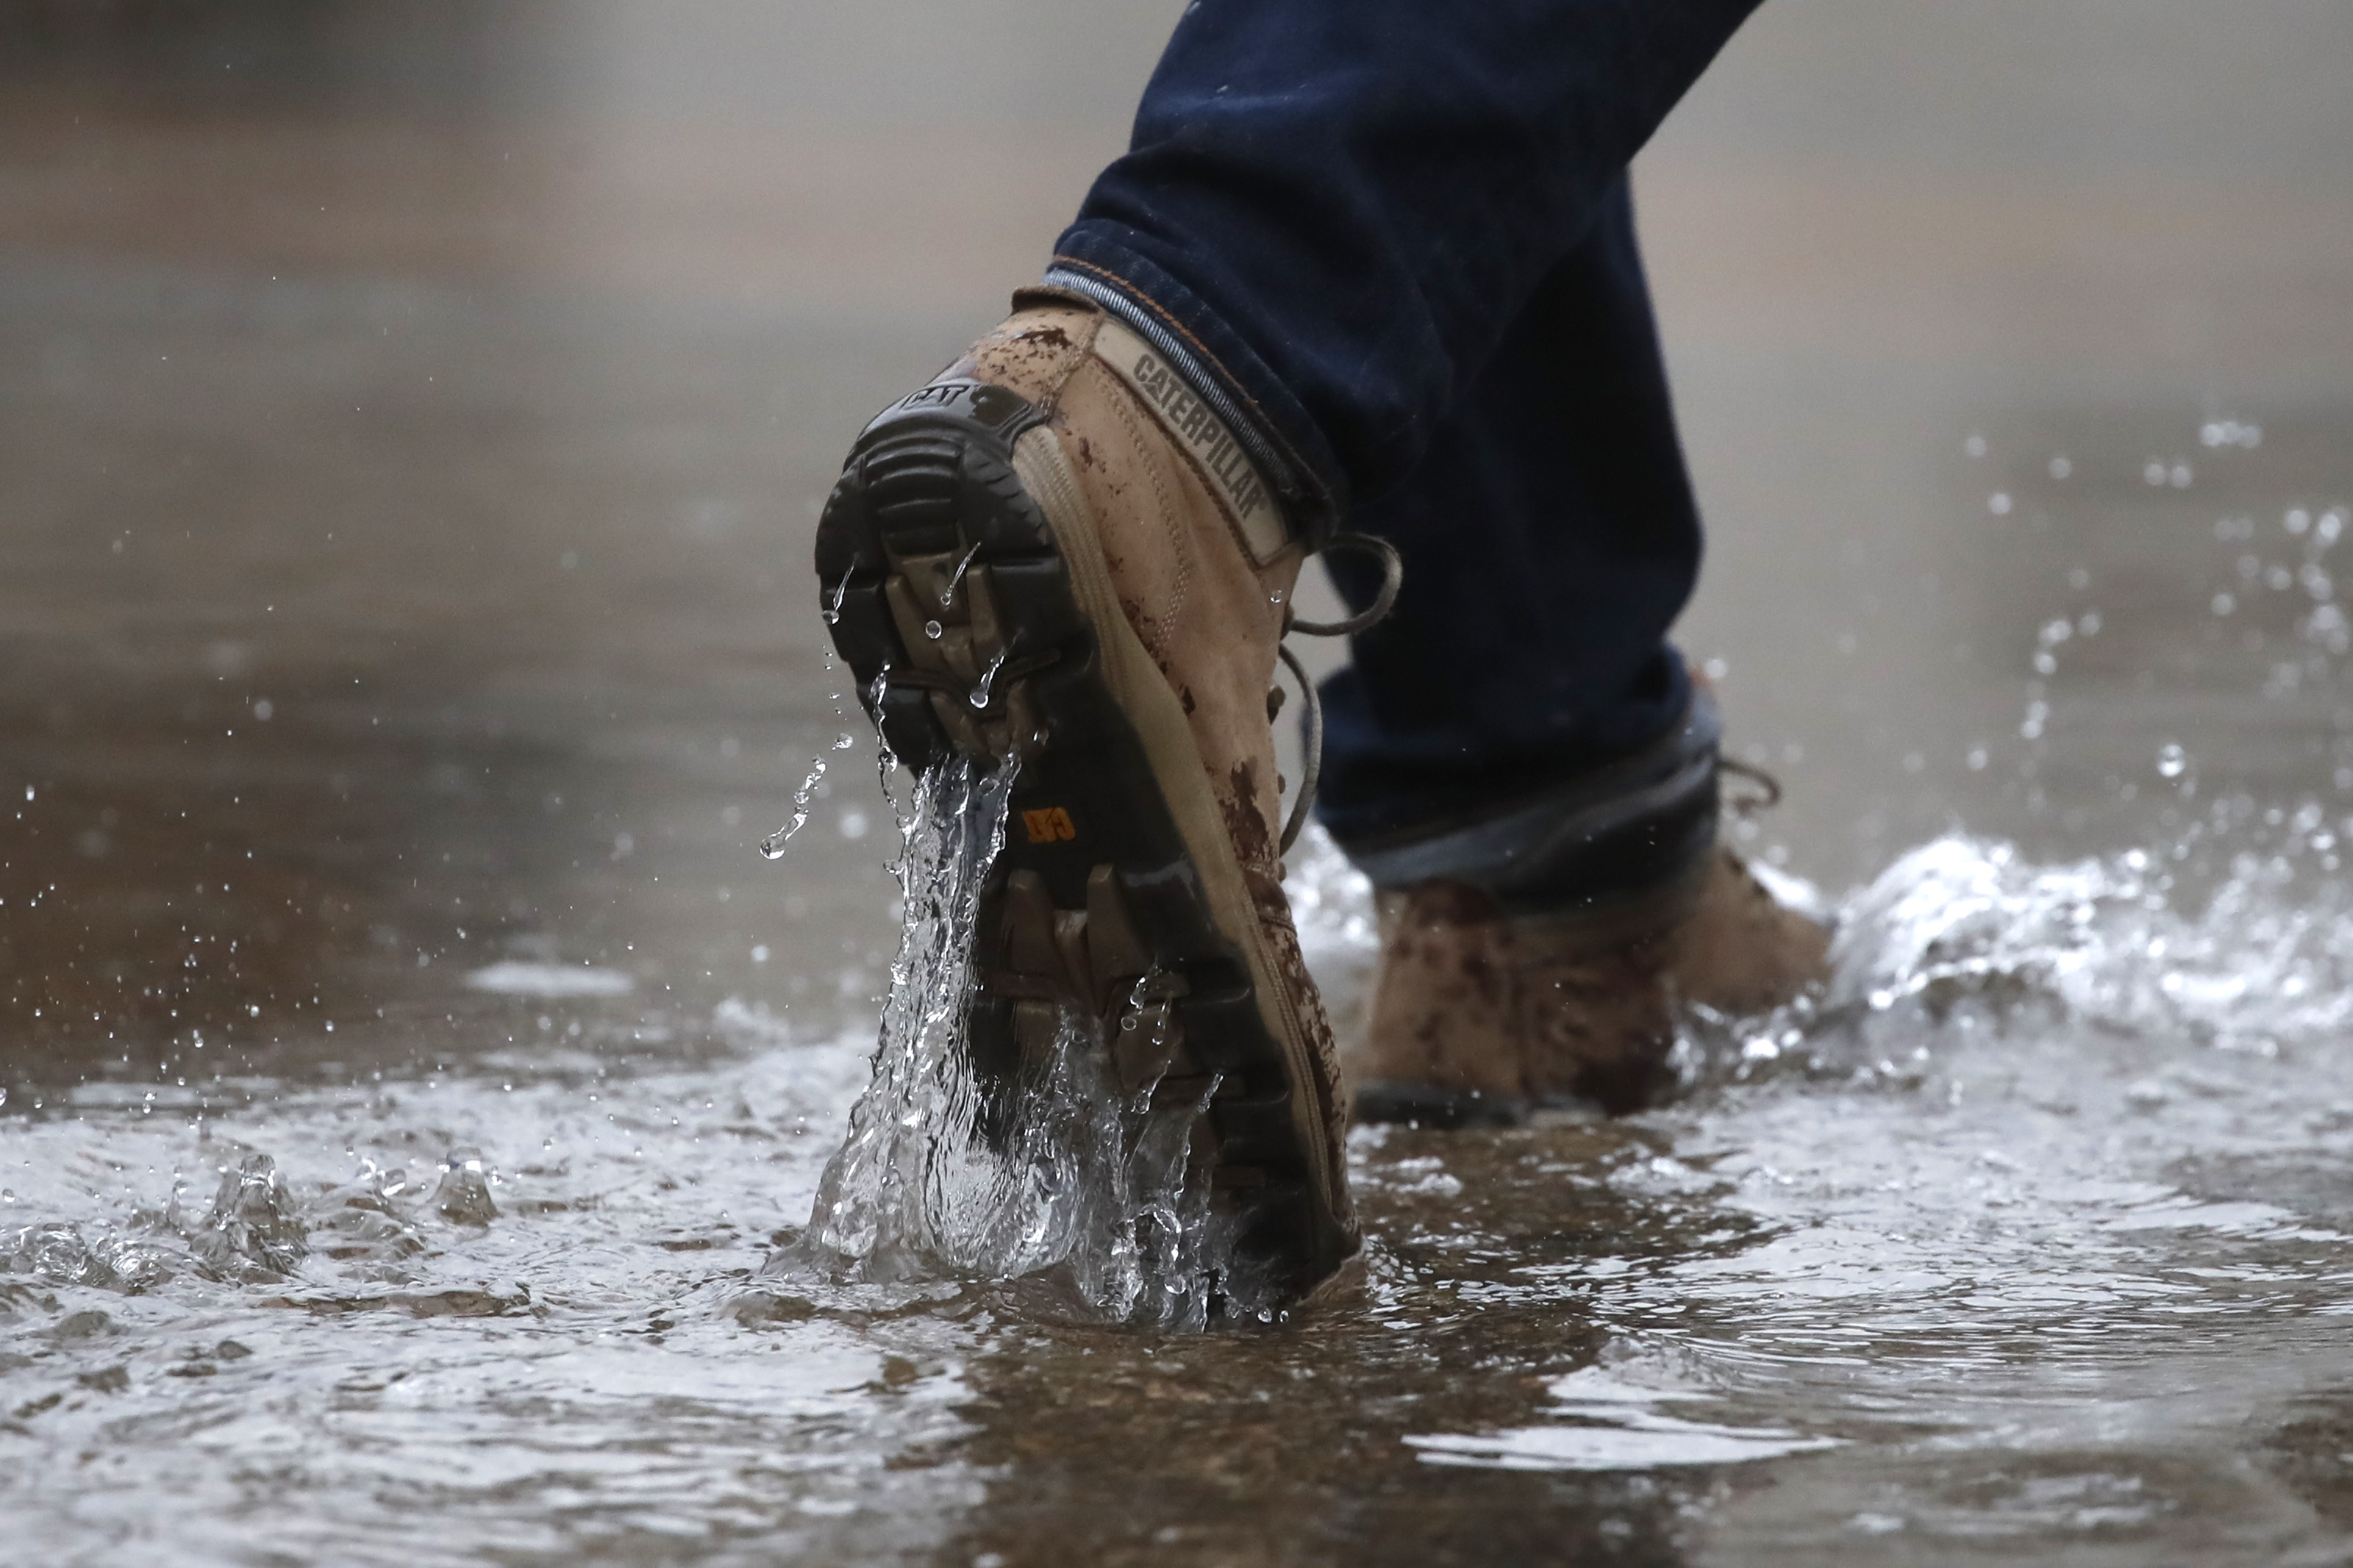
[[1539, 957], [1058, 552]]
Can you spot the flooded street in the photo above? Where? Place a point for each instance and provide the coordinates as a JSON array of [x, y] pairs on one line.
[[411, 433]]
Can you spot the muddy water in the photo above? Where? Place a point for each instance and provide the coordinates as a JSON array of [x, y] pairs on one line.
[[2028, 1238], [411, 1065]]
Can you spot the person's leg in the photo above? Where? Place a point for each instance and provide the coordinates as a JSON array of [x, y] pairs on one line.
[[1332, 216], [1517, 756], [1073, 550], [1550, 539], [1411, 272]]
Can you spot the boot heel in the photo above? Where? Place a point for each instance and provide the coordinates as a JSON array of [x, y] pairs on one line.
[[950, 597], [911, 549]]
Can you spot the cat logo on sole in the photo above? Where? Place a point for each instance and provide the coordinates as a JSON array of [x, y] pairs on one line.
[[1048, 824]]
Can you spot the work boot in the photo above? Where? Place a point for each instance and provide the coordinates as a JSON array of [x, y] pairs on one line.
[[1056, 551], [1540, 956]]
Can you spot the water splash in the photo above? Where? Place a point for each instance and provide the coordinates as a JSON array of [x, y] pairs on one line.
[[772, 848], [256, 1229], [463, 1196], [979, 697], [57, 1252], [1332, 907], [1058, 1174], [1968, 928]]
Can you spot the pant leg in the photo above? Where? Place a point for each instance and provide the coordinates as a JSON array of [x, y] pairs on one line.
[[1334, 211], [1550, 538]]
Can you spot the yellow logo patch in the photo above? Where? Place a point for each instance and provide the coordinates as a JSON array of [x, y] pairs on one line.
[[1048, 824]]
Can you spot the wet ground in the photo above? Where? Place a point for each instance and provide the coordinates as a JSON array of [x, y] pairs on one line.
[[407, 468]]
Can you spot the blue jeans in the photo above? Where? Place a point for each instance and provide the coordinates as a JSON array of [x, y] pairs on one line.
[[1394, 239]]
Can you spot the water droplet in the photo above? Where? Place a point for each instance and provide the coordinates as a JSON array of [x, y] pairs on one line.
[[1276, 597], [979, 697], [947, 594], [932, 629], [2172, 761], [832, 611], [772, 846]]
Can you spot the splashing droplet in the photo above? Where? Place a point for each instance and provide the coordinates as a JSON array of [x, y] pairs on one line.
[[772, 846], [832, 611], [979, 696], [1080, 1175], [947, 594]]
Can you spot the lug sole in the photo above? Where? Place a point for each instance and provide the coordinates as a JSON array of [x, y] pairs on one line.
[[938, 566]]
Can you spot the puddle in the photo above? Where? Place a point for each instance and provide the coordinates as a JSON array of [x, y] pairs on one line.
[[2004, 1198], [1599, 1422], [415, 1086]]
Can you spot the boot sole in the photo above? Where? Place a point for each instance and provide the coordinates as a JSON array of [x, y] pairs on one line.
[[944, 570]]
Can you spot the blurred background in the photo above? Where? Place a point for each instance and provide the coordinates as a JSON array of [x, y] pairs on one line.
[[413, 415]]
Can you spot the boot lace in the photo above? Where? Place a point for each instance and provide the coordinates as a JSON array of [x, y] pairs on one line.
[[1764, 792], [1312, 742]]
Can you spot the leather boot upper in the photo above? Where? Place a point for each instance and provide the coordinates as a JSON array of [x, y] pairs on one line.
[[1206, 587]]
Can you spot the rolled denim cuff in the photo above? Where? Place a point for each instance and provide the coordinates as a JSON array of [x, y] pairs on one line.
[[1622, 829], [1291, 453]]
